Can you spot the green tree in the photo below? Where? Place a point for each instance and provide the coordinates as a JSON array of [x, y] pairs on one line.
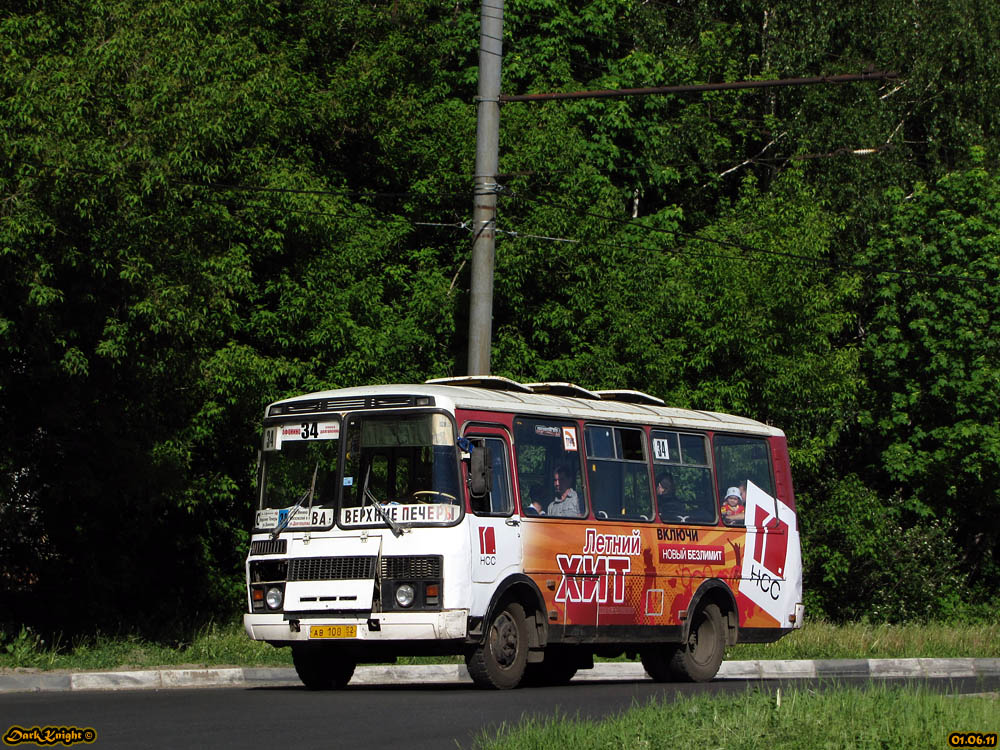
[[181, 243], [206, 205], [931, 354]]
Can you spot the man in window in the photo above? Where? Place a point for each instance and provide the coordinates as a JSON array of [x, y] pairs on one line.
[[567, 501], [671, 508]]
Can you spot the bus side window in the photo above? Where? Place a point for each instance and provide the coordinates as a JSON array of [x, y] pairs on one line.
[[683, 478], [618, 473], [543, 447], [499, 501], [739, 460]]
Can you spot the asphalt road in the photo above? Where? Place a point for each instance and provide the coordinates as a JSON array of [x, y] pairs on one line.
[[373, 717]]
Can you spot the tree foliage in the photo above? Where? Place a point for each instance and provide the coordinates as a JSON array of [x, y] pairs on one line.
[[206, 205]]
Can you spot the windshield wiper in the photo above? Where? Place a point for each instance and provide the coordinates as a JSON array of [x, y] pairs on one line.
[[397, 530], [307, 495]]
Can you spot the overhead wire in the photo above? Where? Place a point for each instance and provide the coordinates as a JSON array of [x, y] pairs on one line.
[[466, 227], [828, 263], [454, 195], [750, 254], [625, 223], [364, 216], [219, 186], [462, 225], [748, 251]]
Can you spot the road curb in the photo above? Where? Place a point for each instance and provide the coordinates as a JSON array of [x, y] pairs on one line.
[[262, 677]]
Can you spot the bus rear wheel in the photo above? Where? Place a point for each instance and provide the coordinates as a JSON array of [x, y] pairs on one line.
[[322, 667], [656, 661], [698, 659], [499, 661]]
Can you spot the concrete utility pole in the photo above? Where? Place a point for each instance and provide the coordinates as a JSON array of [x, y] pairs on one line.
[[485, 190]]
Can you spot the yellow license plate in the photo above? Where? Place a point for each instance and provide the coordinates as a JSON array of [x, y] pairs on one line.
[[333, 631]]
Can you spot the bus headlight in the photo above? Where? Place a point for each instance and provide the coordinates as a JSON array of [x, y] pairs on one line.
[[274, 597], [404, 595]]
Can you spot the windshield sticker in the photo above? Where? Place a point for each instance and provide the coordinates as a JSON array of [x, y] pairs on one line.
[[569, 439], [271, 439], [661, 449], [400, 514], [546, 431], [348, 481], [308, 431], [329, 430], [269, 518]]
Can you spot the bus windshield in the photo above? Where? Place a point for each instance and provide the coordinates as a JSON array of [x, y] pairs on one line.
[[407, 465], [299, 475]]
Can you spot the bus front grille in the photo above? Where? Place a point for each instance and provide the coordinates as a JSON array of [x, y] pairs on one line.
[[330, 568], [268, 547], [411, 568]]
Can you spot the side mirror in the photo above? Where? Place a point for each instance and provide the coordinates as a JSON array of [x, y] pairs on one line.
[[480, 475]]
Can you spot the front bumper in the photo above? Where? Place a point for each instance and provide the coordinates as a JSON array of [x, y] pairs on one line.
[[449, 624]]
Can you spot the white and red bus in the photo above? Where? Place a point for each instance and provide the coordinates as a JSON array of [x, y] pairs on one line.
[[529, 528]]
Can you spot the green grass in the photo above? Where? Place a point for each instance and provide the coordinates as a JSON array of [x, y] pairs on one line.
[[228, 645], [823, 640], [214, 645], [875, 717]]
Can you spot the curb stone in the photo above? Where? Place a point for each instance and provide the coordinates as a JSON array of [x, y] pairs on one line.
[[258, 677], [11, 683]]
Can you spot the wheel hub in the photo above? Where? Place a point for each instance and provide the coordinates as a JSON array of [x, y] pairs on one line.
[[505, 640]]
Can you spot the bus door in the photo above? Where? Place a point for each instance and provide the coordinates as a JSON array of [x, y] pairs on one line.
[[495, 527]]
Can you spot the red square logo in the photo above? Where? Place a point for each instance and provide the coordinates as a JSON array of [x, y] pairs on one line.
[[487, 540], [771, 543]]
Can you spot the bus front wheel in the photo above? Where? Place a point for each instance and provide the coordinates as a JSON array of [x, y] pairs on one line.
[[499, 661], [698, 659], [322, 668]]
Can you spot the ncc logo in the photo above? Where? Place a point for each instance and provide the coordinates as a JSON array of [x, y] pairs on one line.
[[771, 542], [771, 576], [487, 540]]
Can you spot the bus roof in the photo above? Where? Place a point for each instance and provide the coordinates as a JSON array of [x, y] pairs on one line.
[[485, 393]]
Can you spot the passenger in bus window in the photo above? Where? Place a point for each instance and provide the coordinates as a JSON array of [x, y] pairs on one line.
[[567, 501], [733, 508], [535, 508], [671, 507]]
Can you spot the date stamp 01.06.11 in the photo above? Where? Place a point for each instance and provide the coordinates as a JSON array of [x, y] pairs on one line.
[[972, 739]]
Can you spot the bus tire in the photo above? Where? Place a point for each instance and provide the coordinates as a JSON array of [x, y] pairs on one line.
[[322, 668], [698, 659], [656, 661], [500, 660]]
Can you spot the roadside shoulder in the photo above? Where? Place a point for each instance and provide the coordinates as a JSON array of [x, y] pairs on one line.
[[20, 681]]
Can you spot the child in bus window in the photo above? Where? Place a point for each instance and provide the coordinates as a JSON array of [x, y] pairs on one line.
[[733, 508], [535, 508]]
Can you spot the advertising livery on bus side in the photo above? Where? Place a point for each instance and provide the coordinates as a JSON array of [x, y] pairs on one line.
[[527, 527]]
